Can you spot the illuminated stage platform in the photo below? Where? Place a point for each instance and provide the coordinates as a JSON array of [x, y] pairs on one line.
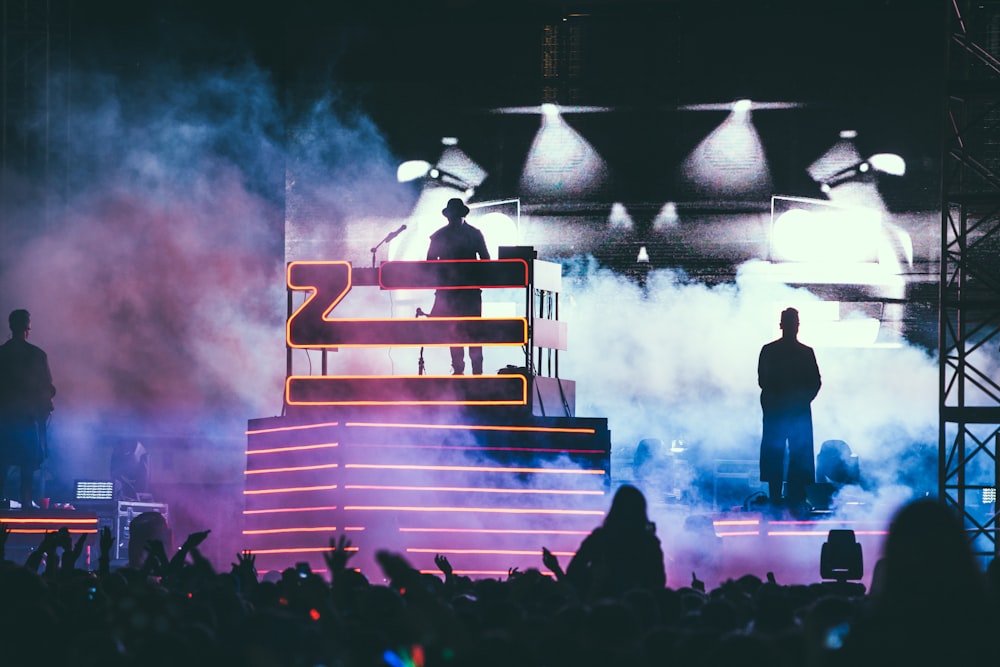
[[488, 494], [483, 469]]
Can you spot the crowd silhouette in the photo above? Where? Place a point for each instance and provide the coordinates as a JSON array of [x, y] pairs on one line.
[[929, 603]]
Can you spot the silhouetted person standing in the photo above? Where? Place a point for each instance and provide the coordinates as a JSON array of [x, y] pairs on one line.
[[789, 380], [26, 394], [459, 240]]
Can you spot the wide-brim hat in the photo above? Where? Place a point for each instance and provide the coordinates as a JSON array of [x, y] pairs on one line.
[[455, 207]]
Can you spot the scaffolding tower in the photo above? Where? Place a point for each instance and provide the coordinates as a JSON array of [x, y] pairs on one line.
[[969, 321]]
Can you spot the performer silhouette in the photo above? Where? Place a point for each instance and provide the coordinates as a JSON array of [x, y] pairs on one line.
[[459, 240], [789, 380], [26, 394]]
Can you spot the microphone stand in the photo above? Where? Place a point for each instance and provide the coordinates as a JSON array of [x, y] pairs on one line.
[[421, 369], [390, 236]]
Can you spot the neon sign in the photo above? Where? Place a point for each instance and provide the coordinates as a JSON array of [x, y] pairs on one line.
[[327, 283]]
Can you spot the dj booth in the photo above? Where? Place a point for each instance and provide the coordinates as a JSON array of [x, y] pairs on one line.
[[483, 469]]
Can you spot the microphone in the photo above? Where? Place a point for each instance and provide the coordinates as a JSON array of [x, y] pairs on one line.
[[394, 234], [390, 237]]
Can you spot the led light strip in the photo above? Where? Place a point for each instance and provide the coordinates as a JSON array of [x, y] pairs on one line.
[[264, 471], [484, 510], [290, 489], [498, 552], [469, 489], [540, 471], [292, 448], [474, 427], [276, 510], [302, 427]]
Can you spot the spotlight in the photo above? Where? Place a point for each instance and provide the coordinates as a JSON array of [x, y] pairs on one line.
[[841, 559], [883, 163], [837, 464], [888, 163], [742, 106], [413, 170]]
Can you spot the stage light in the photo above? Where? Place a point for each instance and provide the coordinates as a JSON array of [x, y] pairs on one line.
[[619, 217], [742, 106], [454, 174], [643, 257], [830, 235], [837, 464], [841, 558], [499, 229], [730, 161], [883, 163], [411, 170], [561, 164], [888, 163], [667, 217]]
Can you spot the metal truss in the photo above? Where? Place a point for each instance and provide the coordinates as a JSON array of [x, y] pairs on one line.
[[969, 323]]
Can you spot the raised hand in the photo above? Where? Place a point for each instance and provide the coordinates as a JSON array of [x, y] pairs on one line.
[[107, 541], [697, 583], [550, 561], [245, 563], [338, 555], [190, 546], [34, 560], [442, 562], [63, 539], [194, 539], [70, 556]]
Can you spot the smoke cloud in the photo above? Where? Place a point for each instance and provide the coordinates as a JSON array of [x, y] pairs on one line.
[[676, 360], [154, 272], [155, 281]]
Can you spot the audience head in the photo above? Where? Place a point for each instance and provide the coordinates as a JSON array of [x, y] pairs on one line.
[[19, 321], [628, 510], [143, 528]]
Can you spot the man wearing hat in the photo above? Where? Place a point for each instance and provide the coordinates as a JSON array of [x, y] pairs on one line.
[[459, 240], [789, 380]]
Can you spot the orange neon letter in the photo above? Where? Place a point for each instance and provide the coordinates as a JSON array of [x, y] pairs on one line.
[[328, 283]]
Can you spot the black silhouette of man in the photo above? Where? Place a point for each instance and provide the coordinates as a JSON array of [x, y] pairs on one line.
[[26, 394], [789, 381], [459, 240]]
